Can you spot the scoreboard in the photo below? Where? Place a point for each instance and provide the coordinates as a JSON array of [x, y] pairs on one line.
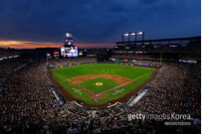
[[69, 51]]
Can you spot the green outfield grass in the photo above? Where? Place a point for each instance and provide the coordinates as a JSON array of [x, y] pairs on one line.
[[106, 84], [138, 74]]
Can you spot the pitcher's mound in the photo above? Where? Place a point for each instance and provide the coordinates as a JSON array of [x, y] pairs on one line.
[[98, 83]]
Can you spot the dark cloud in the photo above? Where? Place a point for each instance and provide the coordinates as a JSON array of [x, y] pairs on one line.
[[97, 21]]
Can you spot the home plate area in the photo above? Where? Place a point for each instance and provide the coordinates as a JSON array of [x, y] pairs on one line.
[[97, 95]]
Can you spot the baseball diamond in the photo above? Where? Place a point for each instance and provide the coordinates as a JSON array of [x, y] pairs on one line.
[[101, 82]]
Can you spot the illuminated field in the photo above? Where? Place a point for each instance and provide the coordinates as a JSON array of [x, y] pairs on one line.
[[101, 83]]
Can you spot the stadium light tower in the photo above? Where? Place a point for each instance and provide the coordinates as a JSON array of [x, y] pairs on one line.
[[141, 33], [129, 34], [133, 34], [68, 35], [124, 35], [68, 40]]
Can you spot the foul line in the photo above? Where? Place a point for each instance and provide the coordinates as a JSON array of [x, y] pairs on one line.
[[79, 86], [119, 86], [141, 76]]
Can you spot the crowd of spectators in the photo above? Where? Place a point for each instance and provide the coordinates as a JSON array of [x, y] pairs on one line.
[[28, 106], [7, 53], [136, 56], [7, 67], [3, 52], [174, 90], [71, 62]]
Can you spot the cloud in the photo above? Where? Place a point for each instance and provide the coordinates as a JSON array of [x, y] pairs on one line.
[[39, 44], [97, 21]]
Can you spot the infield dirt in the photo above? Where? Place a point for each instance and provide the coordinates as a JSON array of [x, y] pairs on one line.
[[116, 78]]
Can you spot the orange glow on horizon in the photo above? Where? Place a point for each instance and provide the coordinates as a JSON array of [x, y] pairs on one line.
[[35, 44], [28, 44]]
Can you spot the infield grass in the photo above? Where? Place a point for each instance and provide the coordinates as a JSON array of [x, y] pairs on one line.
[[106, 84]]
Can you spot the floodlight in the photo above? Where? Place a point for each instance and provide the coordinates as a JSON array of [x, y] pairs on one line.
[[140, 33], [133, 34], [68, 35], [126, 34]]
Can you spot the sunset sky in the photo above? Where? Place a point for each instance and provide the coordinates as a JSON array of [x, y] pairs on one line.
[[94, 23]]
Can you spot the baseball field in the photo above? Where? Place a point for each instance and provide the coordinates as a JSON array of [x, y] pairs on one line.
[[101, 83]]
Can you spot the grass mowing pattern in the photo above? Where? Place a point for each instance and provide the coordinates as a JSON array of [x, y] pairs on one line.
[[138, 74]]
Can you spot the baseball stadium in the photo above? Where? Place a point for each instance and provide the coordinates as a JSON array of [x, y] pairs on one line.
[[100, 67], [98, 90]]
